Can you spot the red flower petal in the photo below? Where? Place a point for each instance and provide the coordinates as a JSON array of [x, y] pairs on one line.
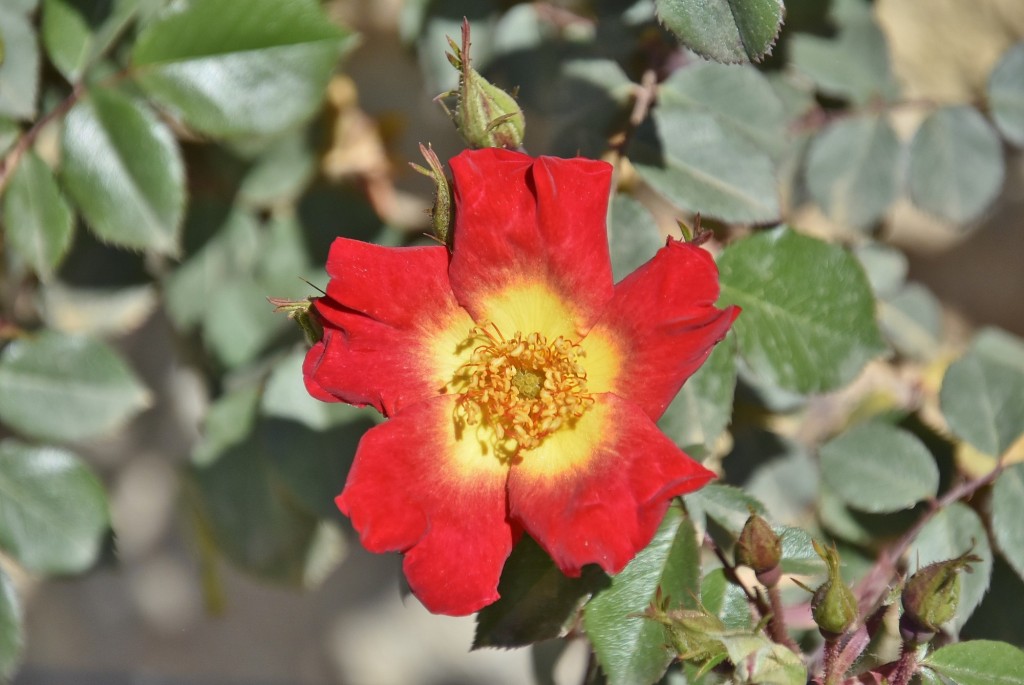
[[520, 219], [414, 488], [664, 314], [389, 317], [595, 493]]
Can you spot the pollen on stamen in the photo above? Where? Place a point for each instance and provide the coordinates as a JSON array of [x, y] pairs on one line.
[[522, 387]]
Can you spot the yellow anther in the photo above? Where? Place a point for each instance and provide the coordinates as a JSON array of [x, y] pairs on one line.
[[523, 388]]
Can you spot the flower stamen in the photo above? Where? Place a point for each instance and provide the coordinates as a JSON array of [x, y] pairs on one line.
[[522, 388]]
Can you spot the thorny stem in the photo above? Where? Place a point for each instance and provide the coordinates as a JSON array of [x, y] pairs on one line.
[[906, 666], [872, 588], [777, 624], [832, 672], [768, 604]]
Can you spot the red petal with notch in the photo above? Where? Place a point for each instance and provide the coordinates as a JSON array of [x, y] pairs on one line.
[[385, 312], [523, 219], [664, 314], [414, 488], [600, 499]]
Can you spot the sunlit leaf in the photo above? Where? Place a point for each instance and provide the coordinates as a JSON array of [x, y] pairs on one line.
[[978, 662], [854, 64], [912, 321], [234, 68], [19, 68], [956, 164], [1006, 94], [982, 394], [697, 164], [37, 219], [878, 468], [724, 30], [12, 640], [76, 33], [629, 647], [852, 170], [66, 387], [53, 510], [123, 169], [802, 337], [1007, 514]]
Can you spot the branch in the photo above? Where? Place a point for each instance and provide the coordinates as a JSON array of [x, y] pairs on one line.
[[13, 158]]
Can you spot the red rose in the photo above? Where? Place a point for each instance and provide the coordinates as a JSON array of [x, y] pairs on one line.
[[522, 386]]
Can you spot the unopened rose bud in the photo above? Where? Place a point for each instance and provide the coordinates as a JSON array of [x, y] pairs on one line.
[[441, 212], [931, 596], [833, 606], [761, 549], [485, 115]]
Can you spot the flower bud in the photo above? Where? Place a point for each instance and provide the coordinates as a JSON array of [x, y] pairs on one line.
[[931, 596], [761, 549], [485, 115], [301, 312], [833, 605], [693, 633], [441, 212]]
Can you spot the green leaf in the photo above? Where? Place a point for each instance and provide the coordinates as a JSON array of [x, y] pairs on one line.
[[885, 266], [38, 222], [66, 387], [956, 167], [761, 661], [852, 170], [978, 662], [912, 321], [951, 532], [633, 235], [77, 32], [97, 311], [123, 169], [876, 467], [726, 600], [726, 505], [286, 397], [228, 422], [798, 554], [240, 68], [255, 522], [808, 322], [232, 248], [1007, 513], [12, 640], [9, 133], [53, 510], [855, 64], [982, 395], [19, 68], [724, 30], [631, 648], [700, 166], [1006, 94], [538, 602], [701, 411], [281, 171], [785, 478], [238, 322], [740, 98]]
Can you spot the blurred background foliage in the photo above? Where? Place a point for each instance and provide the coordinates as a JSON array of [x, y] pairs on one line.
[[169, 165]]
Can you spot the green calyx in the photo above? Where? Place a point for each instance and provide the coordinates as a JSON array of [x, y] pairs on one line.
[[485, 115], [692, 633], [302, 313], [833, 605], [441, 212], [931, 596]]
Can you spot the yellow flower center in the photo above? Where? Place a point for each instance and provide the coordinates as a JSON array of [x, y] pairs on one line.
[[522, 388]]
